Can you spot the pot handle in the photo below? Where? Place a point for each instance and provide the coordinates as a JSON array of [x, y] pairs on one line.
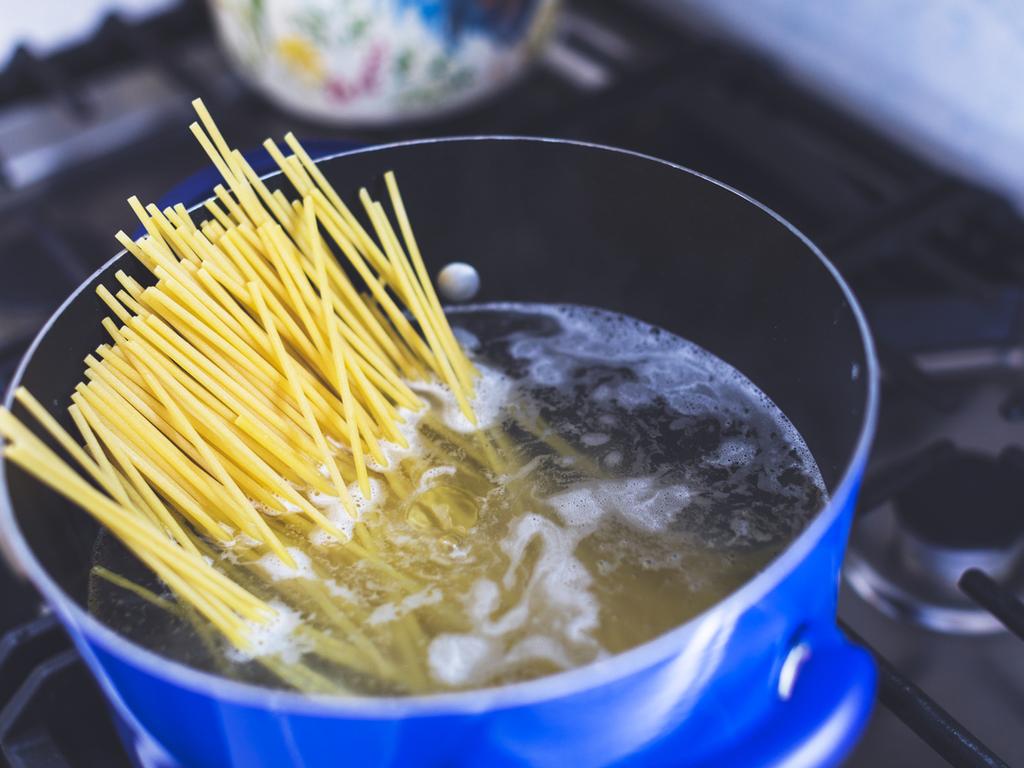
[[826, 689]]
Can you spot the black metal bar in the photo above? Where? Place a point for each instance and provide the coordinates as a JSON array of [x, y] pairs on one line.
[[933, 261], [902, 370], [27, 633], [24, 647], [14, 708], [1012, 456], [1001, 603], [876, 237], [186, 20], [1012, 407], [33, 682], [884, 483], [5, 182], [933, 724], [51, 79], [141, 42]]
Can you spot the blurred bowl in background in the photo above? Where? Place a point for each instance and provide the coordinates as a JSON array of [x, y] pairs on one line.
[[366, 62]]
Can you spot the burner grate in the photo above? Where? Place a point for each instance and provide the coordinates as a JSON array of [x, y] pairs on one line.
[[993, 597], [52, 715], [913, 479], [936, 727]]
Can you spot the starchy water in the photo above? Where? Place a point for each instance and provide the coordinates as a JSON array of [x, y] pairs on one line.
[[620, 481]]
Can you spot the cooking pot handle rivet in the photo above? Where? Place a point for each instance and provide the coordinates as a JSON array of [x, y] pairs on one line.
[[458, 281], [795, 659]]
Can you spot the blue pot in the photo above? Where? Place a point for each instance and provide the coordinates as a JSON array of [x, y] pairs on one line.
[[764, 678]]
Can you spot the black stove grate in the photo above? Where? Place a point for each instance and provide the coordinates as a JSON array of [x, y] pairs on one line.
[[928, 720], [915, 242], [993, 597], [931, 722], [52, 714]]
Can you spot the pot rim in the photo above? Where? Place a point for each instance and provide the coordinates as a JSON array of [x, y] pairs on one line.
[[550, 687]]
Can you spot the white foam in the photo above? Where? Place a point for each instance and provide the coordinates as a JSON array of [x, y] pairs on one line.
[[383, 614], [732, 452], [340, 590], [482, 600], [594, 439], [265, 510], [422, 598], [390, 611], [491, 396], [278, 570], [282, 507], [643, 502], [429, 476], [654, 356], [538, 647], [556, 605], [547, 373], [365, 504], [318, 537], [393, 452], [334, 510], [241, 540], [275, 637], [460, 659]]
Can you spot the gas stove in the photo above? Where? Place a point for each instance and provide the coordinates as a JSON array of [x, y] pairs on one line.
[[935, 561]]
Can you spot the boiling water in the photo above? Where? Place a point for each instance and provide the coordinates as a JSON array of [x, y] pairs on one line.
[[622, 480]]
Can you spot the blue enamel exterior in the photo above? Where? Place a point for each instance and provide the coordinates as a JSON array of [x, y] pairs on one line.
[[703, 694], [710, 699]]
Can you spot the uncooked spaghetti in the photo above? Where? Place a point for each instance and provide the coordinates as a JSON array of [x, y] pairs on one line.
[[250, 368]]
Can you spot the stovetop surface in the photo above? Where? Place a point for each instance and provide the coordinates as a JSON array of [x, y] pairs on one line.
[[936, 262]]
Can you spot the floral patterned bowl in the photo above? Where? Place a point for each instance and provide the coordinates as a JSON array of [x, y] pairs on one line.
[[380, 61]]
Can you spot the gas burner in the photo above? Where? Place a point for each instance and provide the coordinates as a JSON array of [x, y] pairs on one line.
[[961, 512]]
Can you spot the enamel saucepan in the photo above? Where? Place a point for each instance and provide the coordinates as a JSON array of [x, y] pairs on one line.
[[763, 678]]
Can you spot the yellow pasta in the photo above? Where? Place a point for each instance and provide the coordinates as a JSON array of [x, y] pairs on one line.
[[250, 376]]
